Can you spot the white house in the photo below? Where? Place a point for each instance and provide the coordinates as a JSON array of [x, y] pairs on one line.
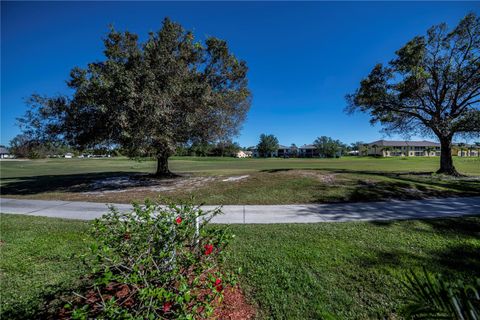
[[243, 154], [386, 148], [4, 153], [467, 150]]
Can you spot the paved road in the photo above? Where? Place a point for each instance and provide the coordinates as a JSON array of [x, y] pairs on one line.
[[307, 213]]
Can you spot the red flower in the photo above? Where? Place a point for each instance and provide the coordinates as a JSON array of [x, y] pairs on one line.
[[218, 285], [127, 236], [179, 220], [167, 306], [208, 249]]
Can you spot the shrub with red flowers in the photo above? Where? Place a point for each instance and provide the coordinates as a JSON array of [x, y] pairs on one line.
[[164, 260]]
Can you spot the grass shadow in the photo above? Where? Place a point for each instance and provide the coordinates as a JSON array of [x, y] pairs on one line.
[[46, 305], [459, 257], [96, 181], [405, 185]]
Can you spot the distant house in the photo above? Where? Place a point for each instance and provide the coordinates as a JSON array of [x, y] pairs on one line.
[[68, 155], [283, 151], [387, 148], [244, 154], [4, 153], [466, 150], [305, 151], [308, 151]]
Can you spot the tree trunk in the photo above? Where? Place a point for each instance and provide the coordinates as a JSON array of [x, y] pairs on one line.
[[446, 161], [162, 166]]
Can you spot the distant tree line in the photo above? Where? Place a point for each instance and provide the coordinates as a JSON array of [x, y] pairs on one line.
[[208, 149], [325, 147], [25, 146]]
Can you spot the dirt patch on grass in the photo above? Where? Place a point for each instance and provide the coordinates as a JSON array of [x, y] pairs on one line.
[[137, 184], [146, 183], [328, 178]]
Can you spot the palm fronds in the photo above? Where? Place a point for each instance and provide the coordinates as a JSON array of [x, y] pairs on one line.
[[432, 297]]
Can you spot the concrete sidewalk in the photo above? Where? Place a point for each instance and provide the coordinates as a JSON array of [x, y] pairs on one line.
[[307, 213]]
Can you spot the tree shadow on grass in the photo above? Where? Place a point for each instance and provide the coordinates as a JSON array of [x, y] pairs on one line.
[[465, 227], [97, 181], [455, 260], [395, 185], [459, 256]]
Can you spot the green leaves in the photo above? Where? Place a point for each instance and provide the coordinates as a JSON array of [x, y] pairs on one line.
[[328, 147], [149, 97], [431, 87], [268, 144], [152, 261], [432, 297]]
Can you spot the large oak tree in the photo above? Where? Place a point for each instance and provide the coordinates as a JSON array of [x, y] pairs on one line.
[[148, 97], [432, 86]]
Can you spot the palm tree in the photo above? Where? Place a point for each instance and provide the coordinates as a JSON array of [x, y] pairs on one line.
[[428, 150], [374, 146], [387, 149], [365, 148], [470, 150]]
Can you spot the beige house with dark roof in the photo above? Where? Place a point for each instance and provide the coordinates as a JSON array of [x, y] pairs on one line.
[[387, 148]]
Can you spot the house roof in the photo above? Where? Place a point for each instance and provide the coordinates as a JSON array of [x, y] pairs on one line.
[[307, 146], [4, 150], [391, 143], [465, 145], [280, 146]]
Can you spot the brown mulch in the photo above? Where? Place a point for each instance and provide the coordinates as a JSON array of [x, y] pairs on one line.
[[122, 293], [234, 306]]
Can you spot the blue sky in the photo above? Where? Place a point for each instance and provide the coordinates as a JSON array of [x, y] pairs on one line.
[[303, 56]]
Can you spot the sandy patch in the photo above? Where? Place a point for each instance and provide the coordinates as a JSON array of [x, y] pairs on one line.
[[236, 178]]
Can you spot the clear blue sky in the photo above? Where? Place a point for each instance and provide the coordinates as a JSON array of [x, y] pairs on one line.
[[303, 57]]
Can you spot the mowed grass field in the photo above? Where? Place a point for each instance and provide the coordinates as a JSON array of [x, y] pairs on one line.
[[248, 181], [349, 270]]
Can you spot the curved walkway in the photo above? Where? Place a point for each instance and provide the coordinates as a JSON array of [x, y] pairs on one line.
[[297, 213]]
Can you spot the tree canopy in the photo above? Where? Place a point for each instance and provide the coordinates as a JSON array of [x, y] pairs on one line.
[[267, 145], [328, 147], [148, 97], [431, 87]]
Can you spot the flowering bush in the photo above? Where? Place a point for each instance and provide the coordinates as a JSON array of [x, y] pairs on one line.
[[156, 262]]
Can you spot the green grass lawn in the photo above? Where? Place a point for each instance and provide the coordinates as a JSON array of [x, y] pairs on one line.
[[38, 261], [299, 271], [269, 181]]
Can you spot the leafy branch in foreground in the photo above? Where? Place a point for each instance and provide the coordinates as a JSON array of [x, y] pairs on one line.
[[432, 297]]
